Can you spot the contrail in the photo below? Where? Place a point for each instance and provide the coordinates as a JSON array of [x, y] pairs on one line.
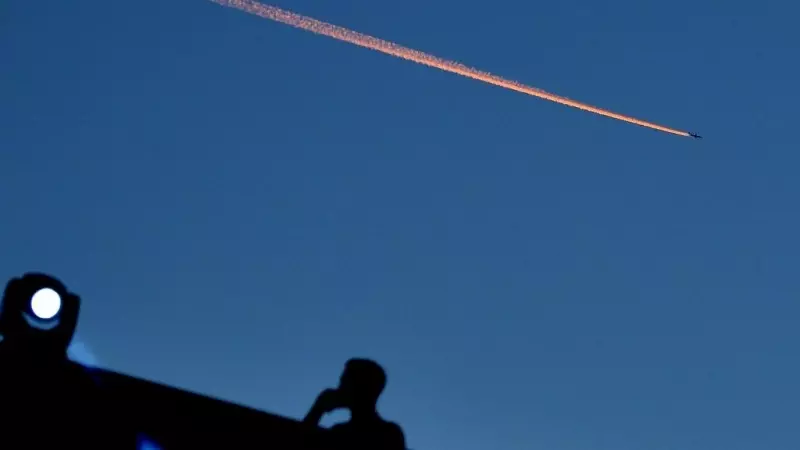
[[363, 40]]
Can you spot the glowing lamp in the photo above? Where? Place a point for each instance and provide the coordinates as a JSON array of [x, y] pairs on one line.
[[38, 316], [46, 304]]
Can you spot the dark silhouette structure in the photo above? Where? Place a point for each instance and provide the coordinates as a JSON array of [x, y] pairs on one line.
[[360, 386], [50, 402]]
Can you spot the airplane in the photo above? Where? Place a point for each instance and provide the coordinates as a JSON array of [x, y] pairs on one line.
[[696, 136]]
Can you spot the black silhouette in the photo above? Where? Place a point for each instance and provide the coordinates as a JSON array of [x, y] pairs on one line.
[[38, 384], [360, 386], [51, 402]]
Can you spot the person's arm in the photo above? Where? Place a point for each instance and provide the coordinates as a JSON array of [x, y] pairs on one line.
[[314, 415], [327, 401]]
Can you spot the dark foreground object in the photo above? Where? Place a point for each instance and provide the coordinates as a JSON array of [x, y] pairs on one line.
[[50, 402], [65, 405]]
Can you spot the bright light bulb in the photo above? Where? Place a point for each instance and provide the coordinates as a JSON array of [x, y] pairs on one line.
[[46, 303]]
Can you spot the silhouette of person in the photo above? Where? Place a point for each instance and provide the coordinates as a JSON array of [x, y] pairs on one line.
[[360, 385]]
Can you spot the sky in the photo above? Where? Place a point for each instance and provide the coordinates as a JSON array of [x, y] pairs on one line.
[[242, 206]]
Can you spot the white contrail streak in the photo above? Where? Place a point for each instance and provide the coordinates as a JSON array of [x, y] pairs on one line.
[[362, 40]]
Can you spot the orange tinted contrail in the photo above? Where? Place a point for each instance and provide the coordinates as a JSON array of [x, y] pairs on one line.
[[363, 40]]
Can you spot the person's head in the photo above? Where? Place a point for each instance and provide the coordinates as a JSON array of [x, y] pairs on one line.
[[362, 382]]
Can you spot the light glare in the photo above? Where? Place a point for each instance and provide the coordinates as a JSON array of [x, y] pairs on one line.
[[46, 303]]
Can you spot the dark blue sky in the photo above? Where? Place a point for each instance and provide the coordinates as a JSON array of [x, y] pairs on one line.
[[243, 206]]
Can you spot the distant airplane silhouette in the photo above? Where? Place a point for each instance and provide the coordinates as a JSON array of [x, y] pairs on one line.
[[360, 386]]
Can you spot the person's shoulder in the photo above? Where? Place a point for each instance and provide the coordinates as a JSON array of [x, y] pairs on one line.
[[393, 427], [383, 434], [394, 433]]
